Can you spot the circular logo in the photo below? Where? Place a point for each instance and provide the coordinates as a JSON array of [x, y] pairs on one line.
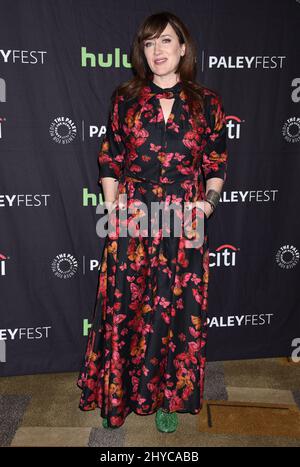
[[63, 130], [291, 130], [64, 266], [287, 256]]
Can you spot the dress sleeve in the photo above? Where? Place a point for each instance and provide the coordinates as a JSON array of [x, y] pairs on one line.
[[112, 150], [215, 155]]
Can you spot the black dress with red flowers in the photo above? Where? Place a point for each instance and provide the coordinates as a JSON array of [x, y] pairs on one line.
[[146, 347]]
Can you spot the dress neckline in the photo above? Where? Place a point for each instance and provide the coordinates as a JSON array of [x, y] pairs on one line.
[[165, 93]]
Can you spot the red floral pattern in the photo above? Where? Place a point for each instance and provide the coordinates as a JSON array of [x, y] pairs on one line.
[[146, 348]]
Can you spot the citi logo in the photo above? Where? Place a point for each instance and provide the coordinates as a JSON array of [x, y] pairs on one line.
[[3, 260], [115, 59], [233, 125], [224, 255], [2, 119]]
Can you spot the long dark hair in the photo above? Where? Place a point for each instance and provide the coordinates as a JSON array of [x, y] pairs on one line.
[[152, 27]]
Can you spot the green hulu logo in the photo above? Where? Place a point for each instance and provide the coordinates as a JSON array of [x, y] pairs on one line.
[[86, 327], [91, 199], [108, 60]]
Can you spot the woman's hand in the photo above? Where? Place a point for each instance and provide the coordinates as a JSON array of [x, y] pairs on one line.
[[216, 184], [207, 209]]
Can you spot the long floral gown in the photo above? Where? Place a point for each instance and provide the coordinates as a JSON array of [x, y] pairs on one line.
[[146, 347]]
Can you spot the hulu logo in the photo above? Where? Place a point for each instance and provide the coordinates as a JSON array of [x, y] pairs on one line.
[[108, 60], [91, 199], [86, 327]]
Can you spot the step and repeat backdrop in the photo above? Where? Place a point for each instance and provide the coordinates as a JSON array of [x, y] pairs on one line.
[[60, 61]]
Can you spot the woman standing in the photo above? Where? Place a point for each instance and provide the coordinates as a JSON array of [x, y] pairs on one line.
[[165, 143]]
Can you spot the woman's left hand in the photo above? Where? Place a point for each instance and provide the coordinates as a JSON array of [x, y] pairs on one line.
[[207, 209]]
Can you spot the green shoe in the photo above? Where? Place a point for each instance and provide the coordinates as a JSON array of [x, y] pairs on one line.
[[166, 422], [105, 423]]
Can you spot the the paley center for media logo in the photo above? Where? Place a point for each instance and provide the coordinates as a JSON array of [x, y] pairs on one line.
[[63, 130]]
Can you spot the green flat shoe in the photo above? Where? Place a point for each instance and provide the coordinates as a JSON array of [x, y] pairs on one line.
[[105, 423], [166, 422]]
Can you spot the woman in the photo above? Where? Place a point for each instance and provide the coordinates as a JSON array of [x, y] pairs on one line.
[[165, 142]]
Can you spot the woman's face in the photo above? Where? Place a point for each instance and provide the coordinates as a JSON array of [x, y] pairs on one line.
[[163, 53]]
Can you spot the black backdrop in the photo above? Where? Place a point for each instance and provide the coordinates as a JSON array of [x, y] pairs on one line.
[[59, 63]]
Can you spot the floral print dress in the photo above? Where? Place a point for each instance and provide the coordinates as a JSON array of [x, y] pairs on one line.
[[146, 347]]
